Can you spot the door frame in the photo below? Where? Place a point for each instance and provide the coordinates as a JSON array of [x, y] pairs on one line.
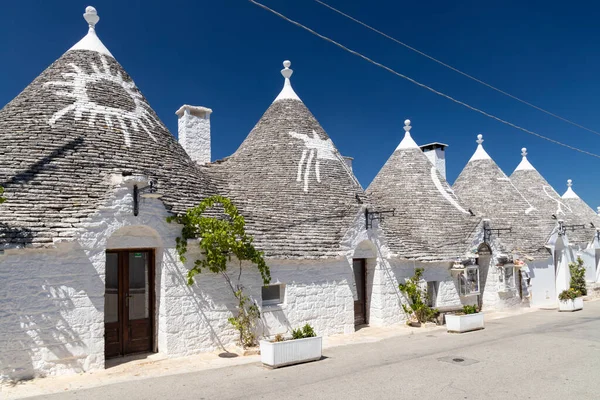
[[123, 280], [364, 288]]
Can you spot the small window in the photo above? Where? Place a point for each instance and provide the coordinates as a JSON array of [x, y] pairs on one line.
[[468, 281], [507, 277], [273, 294]]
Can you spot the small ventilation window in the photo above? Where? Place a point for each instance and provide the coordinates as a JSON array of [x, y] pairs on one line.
[[273, 295]]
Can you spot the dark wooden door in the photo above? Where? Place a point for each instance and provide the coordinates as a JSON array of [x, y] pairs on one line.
[[129, 302], [360, 305]]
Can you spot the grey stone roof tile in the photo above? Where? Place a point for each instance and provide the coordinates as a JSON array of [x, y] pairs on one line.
[[427, 226], [295, 190], [82, 120]]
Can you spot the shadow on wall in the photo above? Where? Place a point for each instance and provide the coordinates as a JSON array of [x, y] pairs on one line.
[[50, 314], [205, 306], [15, 235]]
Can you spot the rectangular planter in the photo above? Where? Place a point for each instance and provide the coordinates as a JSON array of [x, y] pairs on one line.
[[279, 354], [571, 305], [464, 323]]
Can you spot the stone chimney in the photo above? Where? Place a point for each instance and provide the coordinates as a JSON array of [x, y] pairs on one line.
[[194, 132], [436, 153]]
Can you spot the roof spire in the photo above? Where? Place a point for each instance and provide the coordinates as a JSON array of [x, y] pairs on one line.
[[91, 17], [287, 92], [407, 142], [598, 209], [480, 153], [91, 40], [524, 165], [570, 194]]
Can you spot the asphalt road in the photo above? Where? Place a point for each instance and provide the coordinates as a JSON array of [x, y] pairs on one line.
[[539, 355]]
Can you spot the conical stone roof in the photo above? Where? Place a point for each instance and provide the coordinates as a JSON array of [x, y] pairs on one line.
[[580, 207], [295, 190], [429, 224], [486, 189], [543, 197], [80, 122]]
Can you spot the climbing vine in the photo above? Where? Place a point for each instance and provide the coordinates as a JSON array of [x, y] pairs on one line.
[[223, 239], [2, 198]]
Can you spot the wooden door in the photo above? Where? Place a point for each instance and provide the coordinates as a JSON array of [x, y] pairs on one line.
[[360, 305], [129, 302]]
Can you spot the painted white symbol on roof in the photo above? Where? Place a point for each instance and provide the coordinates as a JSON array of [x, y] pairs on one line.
[[317, 149], [138, 116]]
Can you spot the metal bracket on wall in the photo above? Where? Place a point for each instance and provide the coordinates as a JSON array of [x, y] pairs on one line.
[[371, 216], [487, 232]]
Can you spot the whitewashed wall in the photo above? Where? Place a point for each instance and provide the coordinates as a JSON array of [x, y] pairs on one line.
[[543, 283], [52, 300]]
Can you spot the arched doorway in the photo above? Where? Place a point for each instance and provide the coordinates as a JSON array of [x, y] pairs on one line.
[[130, 295], [485, 257]]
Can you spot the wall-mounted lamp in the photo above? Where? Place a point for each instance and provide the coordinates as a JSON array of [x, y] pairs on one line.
[[147, 192]]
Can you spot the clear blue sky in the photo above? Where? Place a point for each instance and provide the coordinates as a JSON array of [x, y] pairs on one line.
[[227, 54]]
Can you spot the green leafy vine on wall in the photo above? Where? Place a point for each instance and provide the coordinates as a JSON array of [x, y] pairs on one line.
[[223, 239]]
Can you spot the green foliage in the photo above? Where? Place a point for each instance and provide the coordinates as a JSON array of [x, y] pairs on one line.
[[470, 309], [305, 332], [223, 239], [245, 320], [578, 276], [569, 294], [2, 199], [416, 296], [220, 238]]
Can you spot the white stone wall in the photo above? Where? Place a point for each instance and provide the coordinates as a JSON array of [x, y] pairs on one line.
[[51, 313], [543, 283], [52, 300]]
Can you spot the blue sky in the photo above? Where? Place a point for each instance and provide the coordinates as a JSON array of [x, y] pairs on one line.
[[227, 54]]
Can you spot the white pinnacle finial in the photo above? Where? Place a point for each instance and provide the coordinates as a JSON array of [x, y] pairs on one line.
[[91, 41], [569, 182], [287, 92], [407, 142], [286, 71], [524, 152], [91, 17], [480, 153], [598, 209]]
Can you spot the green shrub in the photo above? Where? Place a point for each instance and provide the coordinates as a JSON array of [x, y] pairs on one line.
[[470, 309], [569, 294], [578, 276], [305, 332], [416, 296]]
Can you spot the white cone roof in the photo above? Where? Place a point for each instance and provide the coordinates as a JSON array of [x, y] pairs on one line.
[[480, 153], [287, 92], [91, 41], [407, 142]]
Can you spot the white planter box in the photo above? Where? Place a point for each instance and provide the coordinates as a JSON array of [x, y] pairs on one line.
[[279, 354], [571, 305], [464, 323]]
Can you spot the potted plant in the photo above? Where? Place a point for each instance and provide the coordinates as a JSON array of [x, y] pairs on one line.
[[572, 298], [470, 319], [304, 346]]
